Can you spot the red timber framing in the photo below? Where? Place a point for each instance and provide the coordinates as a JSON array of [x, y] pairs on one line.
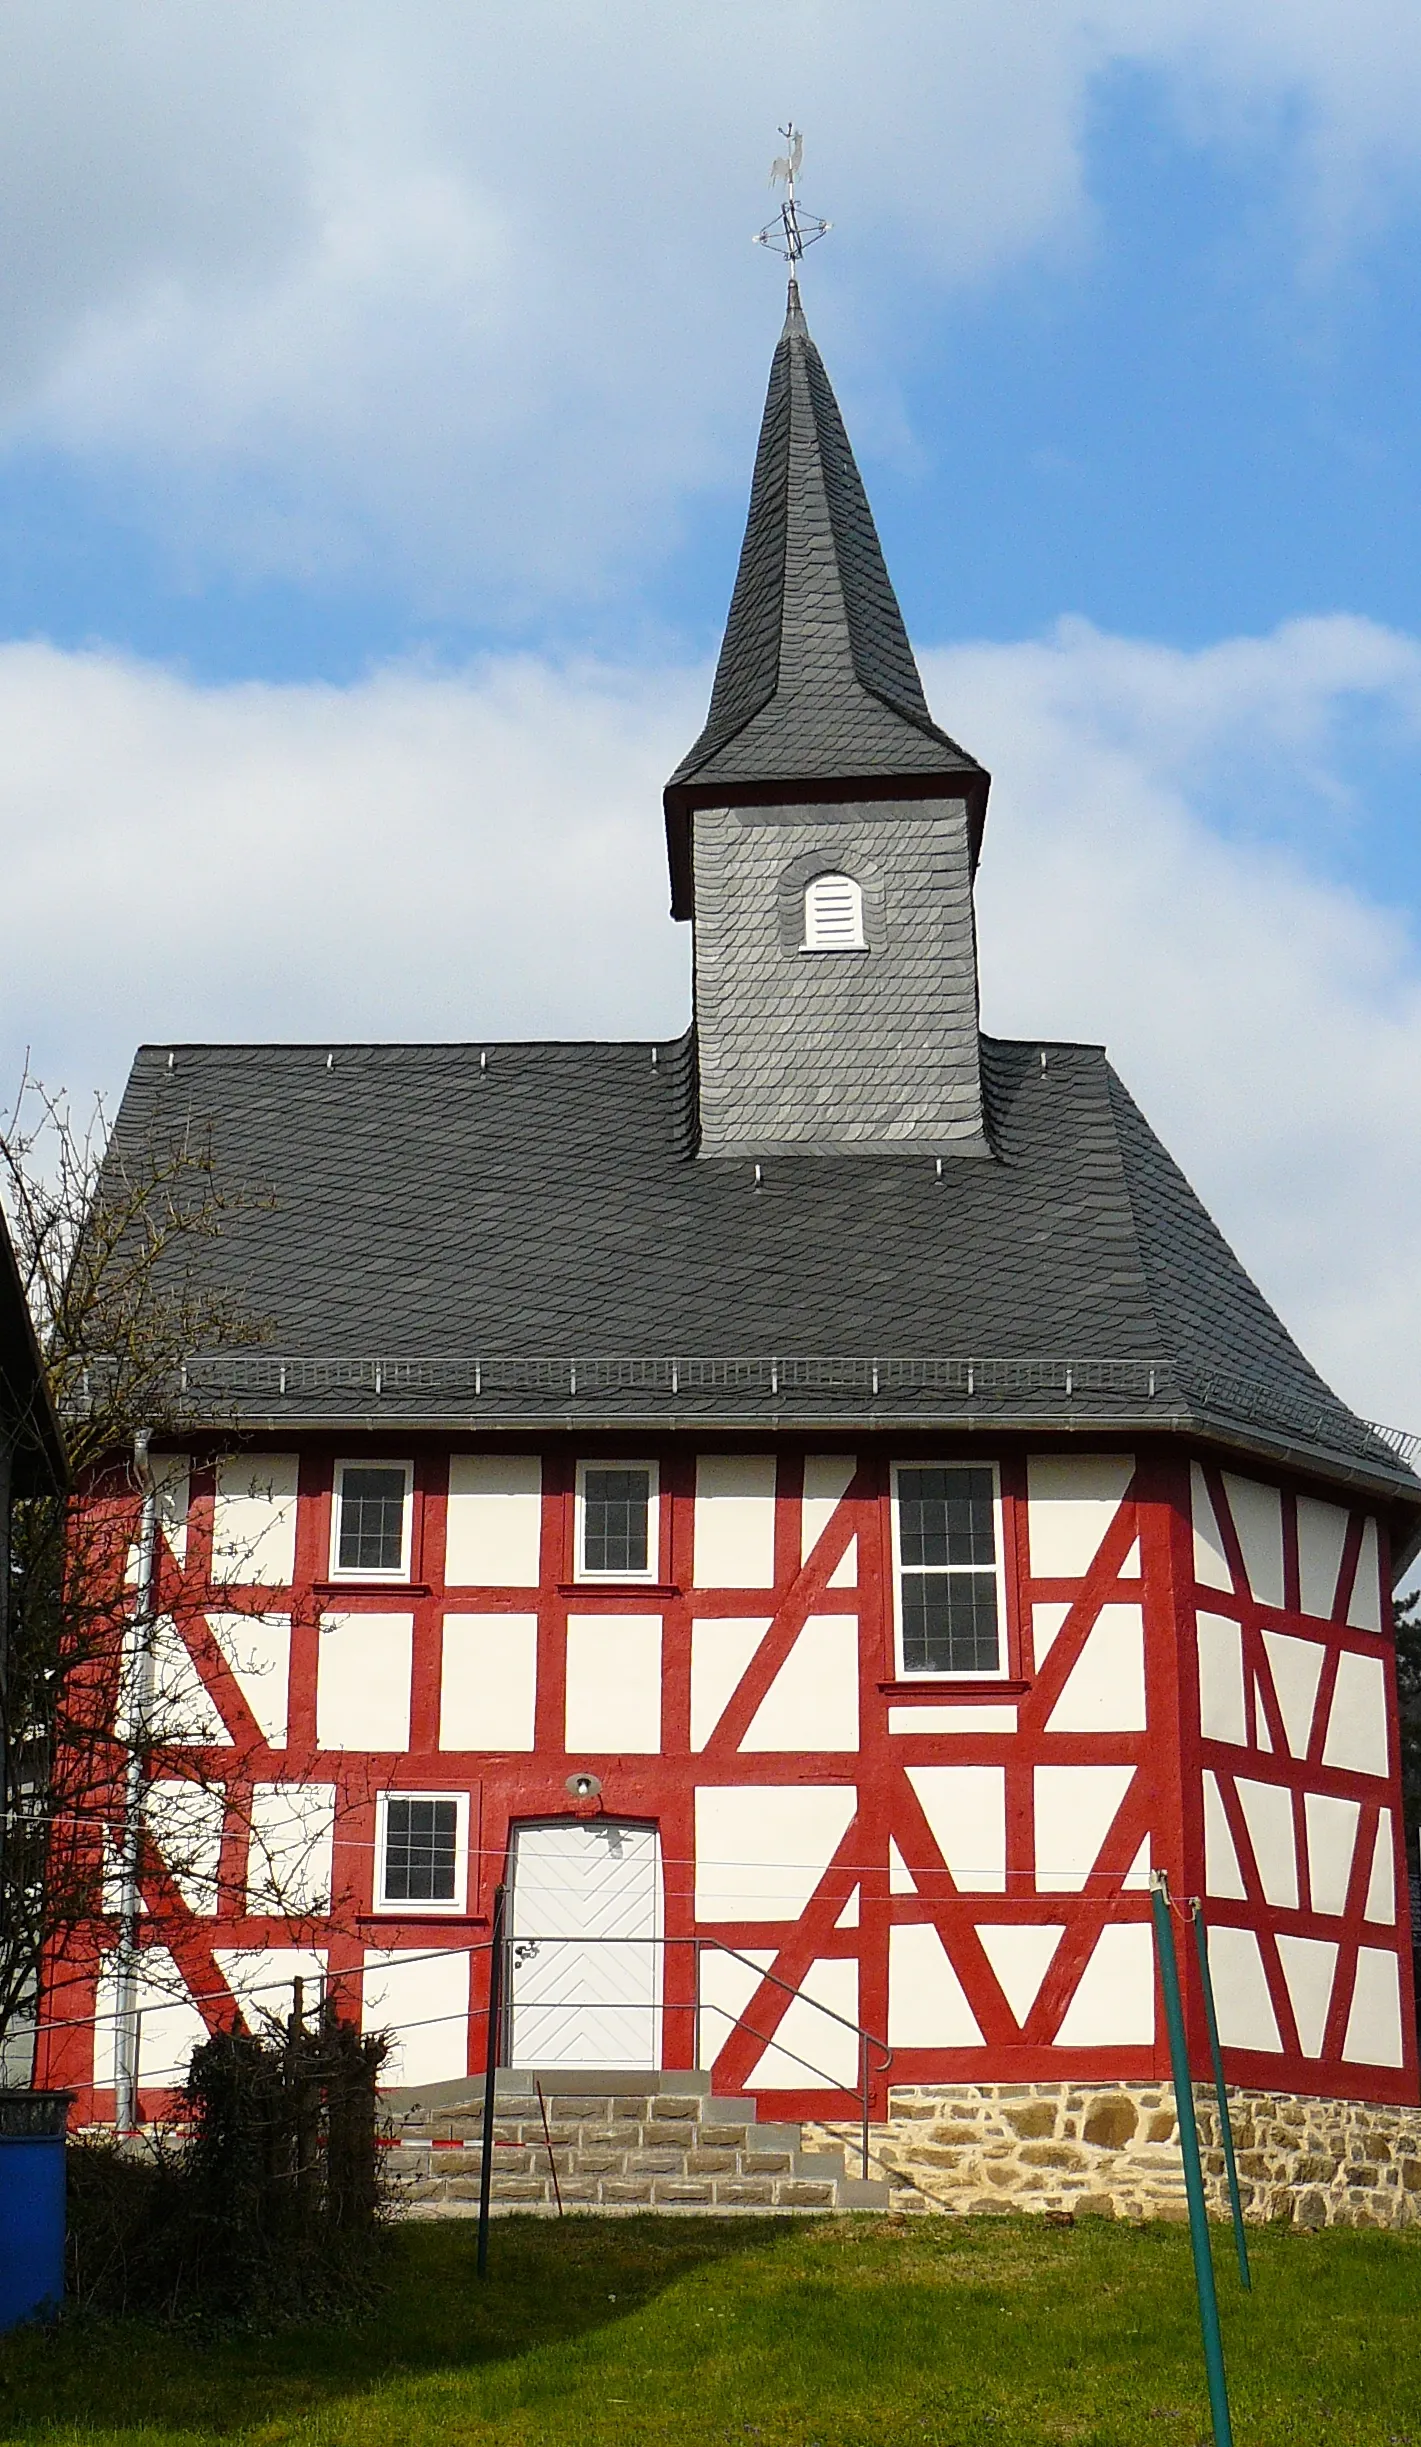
[[958, 1865]]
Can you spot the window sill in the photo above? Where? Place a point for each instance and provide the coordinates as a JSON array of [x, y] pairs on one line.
[[619, 1588], [381, 1914], [955, 1686], [370, 1588]]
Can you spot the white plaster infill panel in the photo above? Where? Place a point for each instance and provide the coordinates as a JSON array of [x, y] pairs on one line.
[[254, 1520], [721, 1649], [761, 1850], [1322, 1534], [1296, 1667], [1357, 1726], [1258, 1518], [813, 1702], [1245, 2009], [1209, 1557], [184, 1821], [1211, 1569], [181, 1710], [424, 2000], [1046, 1622], [1222, 1717], [1332, 1837], [735, 1521], [1309, 1964], [257, 1651], [488, 1681], [1374, 2023], [1268, 1815], [728, 1982], [261, 1979], [494, 1522], [966, 1809], [1075, 1807], [1021, 1953], [966, 1719], [363, 1681], [826, 1483], [812, 2049], [901, 1880], [927, 2005], [1381, 1890], [1364, 1613], [1071, 1500], [613, 1683], [171, 2028], [290, 1849], [1222, 1874], [1114, 2002], [1105, 1689]]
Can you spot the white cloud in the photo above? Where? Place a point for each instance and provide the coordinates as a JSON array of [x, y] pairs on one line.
[[1267, 1019], [429, 855], [415, 857], [428, 291]]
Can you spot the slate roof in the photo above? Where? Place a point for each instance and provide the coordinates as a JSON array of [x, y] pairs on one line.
[[816, 680], [522, 1236]]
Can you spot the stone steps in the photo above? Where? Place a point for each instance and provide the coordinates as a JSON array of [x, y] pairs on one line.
[[620, 2143]]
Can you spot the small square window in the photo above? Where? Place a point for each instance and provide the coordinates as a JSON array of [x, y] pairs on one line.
[[422, 1850], [617, 1521], [947, 1542], [372, 1513]]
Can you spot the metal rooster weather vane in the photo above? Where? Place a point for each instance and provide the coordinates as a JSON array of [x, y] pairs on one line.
[[791, 230]]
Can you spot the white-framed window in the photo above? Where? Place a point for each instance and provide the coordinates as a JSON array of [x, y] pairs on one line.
[[833, 915], [421, 1852], [949, 1596], [370, 1520], [618, 1524]]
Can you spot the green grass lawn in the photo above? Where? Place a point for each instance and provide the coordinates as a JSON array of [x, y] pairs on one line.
[[771, 2335]]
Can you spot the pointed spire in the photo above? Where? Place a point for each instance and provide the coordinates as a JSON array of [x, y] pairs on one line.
[[816, 686]]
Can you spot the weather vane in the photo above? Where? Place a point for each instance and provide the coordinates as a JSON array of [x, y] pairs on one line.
[[791, 230]]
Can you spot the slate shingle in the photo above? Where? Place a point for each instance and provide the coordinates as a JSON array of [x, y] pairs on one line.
[[549, 1206]]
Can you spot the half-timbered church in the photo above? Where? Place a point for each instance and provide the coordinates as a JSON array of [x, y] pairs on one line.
[[814, 1509]]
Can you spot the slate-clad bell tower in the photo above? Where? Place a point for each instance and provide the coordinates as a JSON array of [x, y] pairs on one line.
[[823, 832]]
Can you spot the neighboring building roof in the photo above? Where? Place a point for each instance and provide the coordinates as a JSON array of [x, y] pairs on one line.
[[29, 1429], [533, 1243], [816, 681]]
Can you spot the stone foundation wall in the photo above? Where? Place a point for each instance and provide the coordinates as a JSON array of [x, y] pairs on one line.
[[1114, 2153]]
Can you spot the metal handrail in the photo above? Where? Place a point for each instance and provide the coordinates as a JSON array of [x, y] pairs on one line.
[[866, 2038], [867, 2041]]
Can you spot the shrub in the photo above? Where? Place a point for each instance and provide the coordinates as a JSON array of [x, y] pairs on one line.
[[264, 2203]]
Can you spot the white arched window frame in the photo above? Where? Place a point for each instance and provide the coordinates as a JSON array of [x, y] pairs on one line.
[[833, 915]]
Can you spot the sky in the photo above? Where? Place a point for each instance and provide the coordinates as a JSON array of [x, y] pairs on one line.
[[378, 393]]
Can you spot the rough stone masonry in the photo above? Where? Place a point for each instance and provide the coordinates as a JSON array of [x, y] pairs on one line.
[[969, 2149]]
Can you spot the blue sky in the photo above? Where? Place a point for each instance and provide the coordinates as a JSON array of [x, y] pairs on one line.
[[375, 430]]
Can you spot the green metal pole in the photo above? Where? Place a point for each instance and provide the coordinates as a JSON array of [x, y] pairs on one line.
[[1226, 2129], [491, 2050], [1189, 2151]]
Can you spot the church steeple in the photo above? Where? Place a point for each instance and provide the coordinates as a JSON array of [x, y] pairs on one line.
[[817, 692], [823, 831]]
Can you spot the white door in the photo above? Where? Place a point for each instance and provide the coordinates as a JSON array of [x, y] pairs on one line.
[[584, 1965]]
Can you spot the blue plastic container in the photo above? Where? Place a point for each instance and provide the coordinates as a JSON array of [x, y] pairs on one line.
[[32, 2127]]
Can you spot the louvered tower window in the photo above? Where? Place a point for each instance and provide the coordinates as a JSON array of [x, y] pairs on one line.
[[833, 915]]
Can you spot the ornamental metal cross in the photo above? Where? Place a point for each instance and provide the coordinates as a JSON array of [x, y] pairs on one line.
[[792, 229]]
